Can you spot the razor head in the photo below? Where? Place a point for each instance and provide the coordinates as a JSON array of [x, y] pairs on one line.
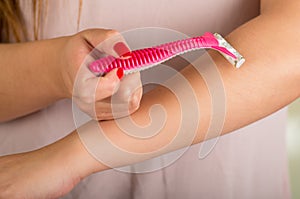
[[239, 60]]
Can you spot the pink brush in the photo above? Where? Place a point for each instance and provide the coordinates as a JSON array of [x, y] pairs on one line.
[[142, 59]]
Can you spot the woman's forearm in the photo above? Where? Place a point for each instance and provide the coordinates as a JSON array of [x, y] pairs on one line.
[[268, 81], [29, 77]]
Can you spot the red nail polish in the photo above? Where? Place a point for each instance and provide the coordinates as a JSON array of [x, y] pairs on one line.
[[126, 55], [121, 49], [120, 73]]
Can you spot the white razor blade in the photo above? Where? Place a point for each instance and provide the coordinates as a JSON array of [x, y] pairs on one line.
[[238, 62]]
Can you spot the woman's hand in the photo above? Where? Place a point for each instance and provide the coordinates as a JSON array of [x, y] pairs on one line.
[[49, 172], [36, 74], [33, 175], [93, 94]]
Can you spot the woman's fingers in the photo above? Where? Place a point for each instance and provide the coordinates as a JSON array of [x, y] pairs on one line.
[[108, 84], [112, 95], [105, 111], [124, 100]]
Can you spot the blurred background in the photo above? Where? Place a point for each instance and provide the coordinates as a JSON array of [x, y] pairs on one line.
[[293, 144]]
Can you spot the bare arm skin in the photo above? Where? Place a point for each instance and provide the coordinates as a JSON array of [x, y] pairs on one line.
[[268, 81], [36, 74], [29, 78]]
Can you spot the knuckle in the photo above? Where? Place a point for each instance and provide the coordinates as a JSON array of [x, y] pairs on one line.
[[133, 109], [124, 97], [87, 99], [111, 32], [103, 116], [99, 116], [87, 31], [83, 33], [134, 103], [112, 87], [105, 90]]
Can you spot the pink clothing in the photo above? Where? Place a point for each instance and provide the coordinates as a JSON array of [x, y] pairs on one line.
[[250, 163]]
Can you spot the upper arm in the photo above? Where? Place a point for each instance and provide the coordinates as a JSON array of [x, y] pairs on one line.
[[286, 16], [266, 5], [277, 6]]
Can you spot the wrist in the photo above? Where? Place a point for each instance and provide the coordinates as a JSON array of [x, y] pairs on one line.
[[59, 66], [48, 65], [70, 152]]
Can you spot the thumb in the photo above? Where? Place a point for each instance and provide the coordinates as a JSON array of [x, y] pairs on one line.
[[109, 42], [109, 84]]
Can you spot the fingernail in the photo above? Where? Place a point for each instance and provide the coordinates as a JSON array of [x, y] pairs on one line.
[[120, 73], [121, 49]]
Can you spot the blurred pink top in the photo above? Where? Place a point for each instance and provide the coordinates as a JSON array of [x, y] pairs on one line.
[[250, 163]]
